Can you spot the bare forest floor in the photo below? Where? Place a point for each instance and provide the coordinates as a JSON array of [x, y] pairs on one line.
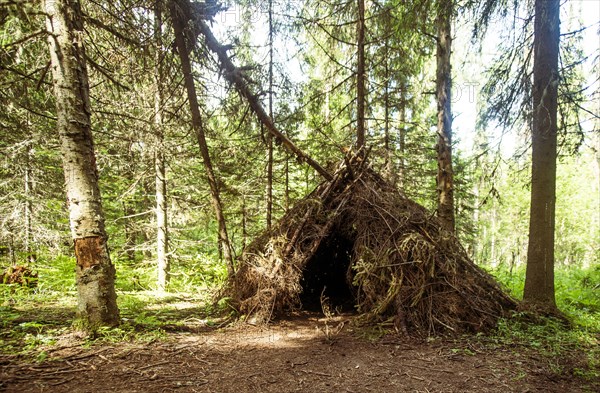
[[305, 353]]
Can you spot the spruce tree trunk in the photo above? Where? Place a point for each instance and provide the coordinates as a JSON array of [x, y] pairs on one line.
[[179, 26], [539, 279], [269, 187], [286, 197], [162, 234], [129, 209], [390, 170], [244, 223], [360, 77], [445, 181], [95, 273]]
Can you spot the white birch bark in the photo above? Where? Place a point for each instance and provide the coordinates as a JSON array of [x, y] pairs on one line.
[[94, 271], [162, 234]]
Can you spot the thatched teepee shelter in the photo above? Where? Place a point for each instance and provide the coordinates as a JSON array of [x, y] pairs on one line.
[[355, 240]]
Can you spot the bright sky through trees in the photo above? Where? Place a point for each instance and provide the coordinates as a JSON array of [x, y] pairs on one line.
[[468, 64]]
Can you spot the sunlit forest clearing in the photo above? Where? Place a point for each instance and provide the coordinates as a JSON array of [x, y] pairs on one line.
[[285, 196]]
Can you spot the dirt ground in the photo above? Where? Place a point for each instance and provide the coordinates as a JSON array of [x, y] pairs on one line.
[[301, 354]]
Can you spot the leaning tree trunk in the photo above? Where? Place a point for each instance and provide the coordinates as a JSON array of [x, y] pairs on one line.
[[445, 181], [235, 76], [94, 271], [162, 234], [179, 27], [539, 278]]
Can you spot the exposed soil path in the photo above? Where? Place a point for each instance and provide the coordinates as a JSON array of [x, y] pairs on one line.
[[296, 355]]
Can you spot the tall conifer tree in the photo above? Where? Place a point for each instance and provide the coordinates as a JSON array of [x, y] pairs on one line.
[[539, 279]]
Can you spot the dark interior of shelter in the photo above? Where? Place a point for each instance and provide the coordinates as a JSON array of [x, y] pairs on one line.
[[326, 276]]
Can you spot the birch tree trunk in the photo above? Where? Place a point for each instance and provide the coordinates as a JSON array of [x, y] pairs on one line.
[[95, 273], [28, 201], [445, 176], [162, 234], [539, 276]]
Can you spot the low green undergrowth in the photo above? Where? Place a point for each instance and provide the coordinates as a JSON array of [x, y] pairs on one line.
[[577, 292], [35, 319], [555, 341], [578, 298]]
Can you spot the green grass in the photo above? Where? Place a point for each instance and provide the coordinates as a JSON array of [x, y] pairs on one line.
[[34, 320], [553, 340], [187, 276], [578, 298], [577, 292]]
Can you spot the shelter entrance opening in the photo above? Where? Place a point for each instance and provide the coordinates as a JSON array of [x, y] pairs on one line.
[[326, 277]]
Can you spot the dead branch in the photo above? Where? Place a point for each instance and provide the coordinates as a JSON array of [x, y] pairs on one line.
[[236, 77]]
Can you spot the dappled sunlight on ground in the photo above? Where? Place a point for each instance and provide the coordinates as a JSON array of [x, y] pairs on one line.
[[181, 342]]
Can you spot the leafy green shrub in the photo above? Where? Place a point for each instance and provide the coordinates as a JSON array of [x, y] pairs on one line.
[[578, 295], [512, 279]]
